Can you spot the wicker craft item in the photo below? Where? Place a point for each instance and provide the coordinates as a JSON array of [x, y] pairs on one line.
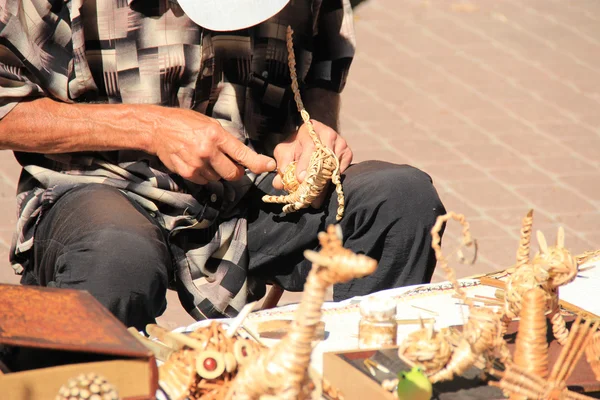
[[428, 349], [206, 363], [87, 387], [481, 336], [324, 165], [550, 268], [522, 383], [282, 371], [531, 349]]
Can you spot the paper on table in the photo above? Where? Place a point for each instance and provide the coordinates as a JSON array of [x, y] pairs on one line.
[[342, 318], [584, 291]]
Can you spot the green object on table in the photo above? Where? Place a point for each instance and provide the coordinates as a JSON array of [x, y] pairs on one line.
[[414, 385]]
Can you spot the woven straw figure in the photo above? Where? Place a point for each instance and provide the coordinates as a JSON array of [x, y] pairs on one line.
[[520, 382], [324, 166], [205, 371], [87, 387], [282, 371], [481, 336], [550, 268], [428, 349]]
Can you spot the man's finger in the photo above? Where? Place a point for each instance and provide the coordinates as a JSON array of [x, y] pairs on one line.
[[304, 149], [327, 135], [226, 168], [247, 157], [345, 159], [284, 155]]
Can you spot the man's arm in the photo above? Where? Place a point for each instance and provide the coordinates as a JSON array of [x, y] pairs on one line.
[[47, 126], [324, 106], [189, 143]]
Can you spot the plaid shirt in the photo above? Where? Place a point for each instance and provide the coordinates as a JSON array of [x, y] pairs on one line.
[[148, 51]]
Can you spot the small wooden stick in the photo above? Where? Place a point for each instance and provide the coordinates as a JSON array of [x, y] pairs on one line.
[[173, 338], [239, 320], [414, 321], [554, 374], [581, 350], [573, 349], [542, 242], [160, 351], [426, 310]]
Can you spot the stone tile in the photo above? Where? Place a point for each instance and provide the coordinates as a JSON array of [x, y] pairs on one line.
[[587, 147], [427, 151], [554, 199], [502, 125], [511, 219], [532, 144], [566, 132], [580, 222], [487, 194], [490, 156], [522, 175], [454, 203], [457, 172], [585, 185], [563, 165], [361, 154]]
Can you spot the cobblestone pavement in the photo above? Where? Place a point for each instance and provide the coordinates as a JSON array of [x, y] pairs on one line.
[[497, 100]]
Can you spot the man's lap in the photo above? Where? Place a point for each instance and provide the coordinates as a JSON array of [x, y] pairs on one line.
[[377, 194]]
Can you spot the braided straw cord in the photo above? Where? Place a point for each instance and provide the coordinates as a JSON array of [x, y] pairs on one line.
[[531, 349], [467, 241], [525, 242], [559, 327], [323, 166]]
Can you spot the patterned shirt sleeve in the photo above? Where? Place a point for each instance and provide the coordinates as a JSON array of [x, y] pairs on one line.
[[35, 51], [333, 46]]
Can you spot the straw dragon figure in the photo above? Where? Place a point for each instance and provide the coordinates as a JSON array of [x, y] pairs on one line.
[[324, 166], [282, 371]]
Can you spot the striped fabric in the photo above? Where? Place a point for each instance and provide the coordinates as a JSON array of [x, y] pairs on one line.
[[148, 51]]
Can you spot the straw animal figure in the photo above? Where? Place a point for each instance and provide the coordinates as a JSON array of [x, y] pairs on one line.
[[428, 349], [323, 165], [481, 336], [522, 383], [282, 371], [206, 364], [551, 268]]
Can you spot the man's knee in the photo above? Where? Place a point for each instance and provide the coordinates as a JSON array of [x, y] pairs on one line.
[[399, 189], [96, 239]]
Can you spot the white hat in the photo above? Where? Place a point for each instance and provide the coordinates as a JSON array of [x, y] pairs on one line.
[[230, 15]]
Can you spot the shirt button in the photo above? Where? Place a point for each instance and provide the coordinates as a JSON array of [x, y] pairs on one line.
[[265, 74], [213, 198]]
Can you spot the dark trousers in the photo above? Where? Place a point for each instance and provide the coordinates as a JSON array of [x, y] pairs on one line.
[[96, 239]]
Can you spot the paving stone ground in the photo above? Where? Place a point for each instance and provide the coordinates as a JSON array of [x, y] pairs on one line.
[[497, 100]]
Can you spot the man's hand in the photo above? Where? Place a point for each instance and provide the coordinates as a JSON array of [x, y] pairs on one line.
[[300, 147], [199, 149]]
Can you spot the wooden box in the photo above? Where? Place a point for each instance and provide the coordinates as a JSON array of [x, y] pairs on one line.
[[49, 335]]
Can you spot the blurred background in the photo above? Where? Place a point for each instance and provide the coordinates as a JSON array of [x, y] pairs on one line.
[[498, 100]]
